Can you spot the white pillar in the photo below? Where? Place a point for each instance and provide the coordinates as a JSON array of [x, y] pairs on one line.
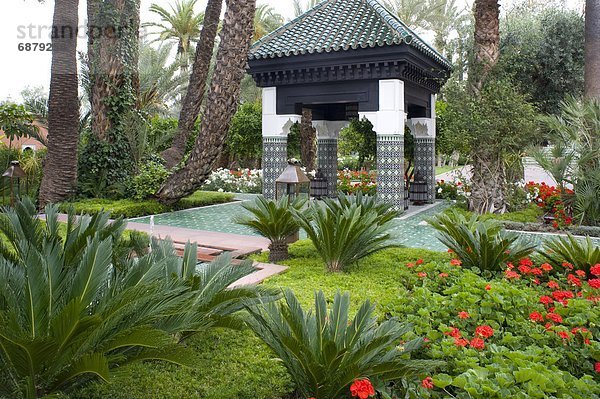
[[388, 122], [327, 148], [275, 129]]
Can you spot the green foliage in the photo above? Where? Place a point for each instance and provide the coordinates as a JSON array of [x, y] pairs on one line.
[[161, 132], [344, 232], [74, 307], [16, 121], [151, 176], [582, 254], [293, 142], [482, 245], [359, 138], [502, 122], [325, 352], [134, 208], [530, 214], [543, 54], [244, 141]]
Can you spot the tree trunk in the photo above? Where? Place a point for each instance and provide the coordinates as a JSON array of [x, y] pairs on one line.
[[190, 109], [487, 42], [222, 102], [60, 166], [592, 49], [308, 140], [488, 180], [278, 251]]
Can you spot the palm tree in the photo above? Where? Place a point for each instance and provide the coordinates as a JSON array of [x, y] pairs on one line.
[[273, 220], [487, 42], [221, 103], [180, 23], [592, 48], [192, 102], [160, 84], [302, 6], [60, 167], [444, 18], [414, 13], [266, 20]]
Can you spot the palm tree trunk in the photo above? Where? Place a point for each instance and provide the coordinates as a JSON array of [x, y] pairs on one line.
[[278, 251], [222, 102], [592, 49], [308, 138], [60, 166], [192, 102], [487, 42], [488, 179]]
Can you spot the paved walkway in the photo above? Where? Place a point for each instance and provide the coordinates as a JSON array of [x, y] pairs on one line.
[[533, 172]]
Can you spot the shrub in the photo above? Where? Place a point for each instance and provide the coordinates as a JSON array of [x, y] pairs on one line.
[[151, 176], [235, 181], [116, 208], [479, 244], [274, 220], [582, 254], [325, 353], [203, 198], [69, 312], [344, 232]]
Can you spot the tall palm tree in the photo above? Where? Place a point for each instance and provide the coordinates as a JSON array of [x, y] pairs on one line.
[[302, 6], [266, 20], [444, 18], [222, 102], [414, 13], [160, 84], [488, 178], [180, 23], [592, 48], [192, 102], [60, 167]]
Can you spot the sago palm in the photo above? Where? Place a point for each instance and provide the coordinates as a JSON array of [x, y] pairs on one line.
[[274, 220], [344, 233], [325, 351], [70, 313], [479, 244], [582, 254]]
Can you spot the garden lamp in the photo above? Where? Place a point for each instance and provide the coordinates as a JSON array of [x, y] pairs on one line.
[[14, 173], [293, 182]]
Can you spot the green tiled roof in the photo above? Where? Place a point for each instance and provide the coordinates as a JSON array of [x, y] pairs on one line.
[[335, 25]]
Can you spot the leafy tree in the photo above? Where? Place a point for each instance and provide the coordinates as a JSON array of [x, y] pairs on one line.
[[495, 125], [16, 121], [244, 141], [359, 138], [543, 54], [182, 24], [35, 101]]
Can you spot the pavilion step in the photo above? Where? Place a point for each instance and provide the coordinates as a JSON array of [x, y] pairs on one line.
[[217, 250]]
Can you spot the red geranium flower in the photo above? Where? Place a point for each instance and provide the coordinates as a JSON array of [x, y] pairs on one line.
[[463, 315], [362, 388], [509, 274], [525, 269], [410, 264], [427, 383], [554, 317], [454, 333], [456, 262], [546, 267], [553, 285], [597, 367], [537, 271], [422, 275], [537, 317], [525, 262], [546, 300], [488, 287], [574, 280], [484, 331], [594, 283], [477, 343], [442, 275], [564, 335], [595, 270], [580, 273], [567, 265], [420, 261], [461, 342]]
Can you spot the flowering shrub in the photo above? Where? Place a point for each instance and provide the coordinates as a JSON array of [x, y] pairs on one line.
[[235, 181], [531, 334], [352, 182], [453, 190], [550, 199]]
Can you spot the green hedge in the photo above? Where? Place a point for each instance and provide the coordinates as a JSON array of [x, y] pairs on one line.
[[532, 213], [129, 208]]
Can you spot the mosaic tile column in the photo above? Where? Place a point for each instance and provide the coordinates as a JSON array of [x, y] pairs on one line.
[[274, 162], [425, 164], [390, 169], [327, 162]]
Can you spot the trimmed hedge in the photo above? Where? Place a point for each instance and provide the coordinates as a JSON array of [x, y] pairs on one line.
[[129, 208], [531, 214]]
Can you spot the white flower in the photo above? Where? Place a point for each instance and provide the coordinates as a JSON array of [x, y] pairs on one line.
[[220, 190]]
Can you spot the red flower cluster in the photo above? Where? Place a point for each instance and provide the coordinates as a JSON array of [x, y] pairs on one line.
[[550, 199], [362, 389], [427, 383], [477, 342]]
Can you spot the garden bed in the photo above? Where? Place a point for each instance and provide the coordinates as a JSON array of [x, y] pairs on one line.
[[129, 208], [522, 358]]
